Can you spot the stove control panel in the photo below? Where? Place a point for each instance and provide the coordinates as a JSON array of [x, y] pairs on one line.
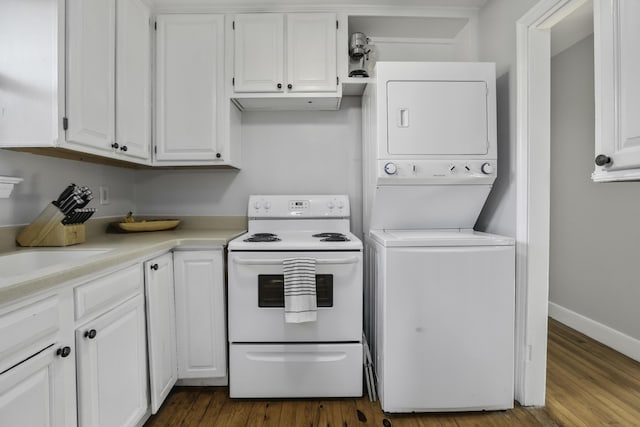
[[299, 206]]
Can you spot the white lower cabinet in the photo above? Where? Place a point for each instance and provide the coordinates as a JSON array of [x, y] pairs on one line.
[[105, 379], [111, 359], [37, 370], [112, 367], [29, 394], [161, 328], [200, 314]]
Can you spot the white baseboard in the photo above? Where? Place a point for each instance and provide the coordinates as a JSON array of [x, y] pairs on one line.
[[618, 341]]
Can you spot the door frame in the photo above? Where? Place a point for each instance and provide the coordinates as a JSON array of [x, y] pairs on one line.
[[533, 143]]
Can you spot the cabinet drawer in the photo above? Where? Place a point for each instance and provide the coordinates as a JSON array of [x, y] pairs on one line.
[[27, 330], [105, 292]]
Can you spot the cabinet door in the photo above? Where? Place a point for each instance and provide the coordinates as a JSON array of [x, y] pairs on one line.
[[311, 52], [200, 314], [133, 93], [259, 52], [31, 394], [189, 86], [91, 73], [617, 89], [111, 367], [161, 328]]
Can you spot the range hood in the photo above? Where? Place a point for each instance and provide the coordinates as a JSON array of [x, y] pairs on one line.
[[288, 103]]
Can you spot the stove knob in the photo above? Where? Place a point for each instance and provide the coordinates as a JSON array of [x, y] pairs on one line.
[[487, 168], [267, 205], [390, 168]]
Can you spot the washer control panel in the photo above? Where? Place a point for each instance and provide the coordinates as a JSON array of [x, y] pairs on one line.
[[434, 171]]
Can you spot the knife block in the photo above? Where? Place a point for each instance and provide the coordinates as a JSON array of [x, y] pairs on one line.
[[47, 230]]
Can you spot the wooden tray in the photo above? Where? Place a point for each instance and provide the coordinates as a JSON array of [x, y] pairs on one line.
[[148, 225]]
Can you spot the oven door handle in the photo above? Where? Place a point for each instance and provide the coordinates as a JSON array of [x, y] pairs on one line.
[[244, 261]]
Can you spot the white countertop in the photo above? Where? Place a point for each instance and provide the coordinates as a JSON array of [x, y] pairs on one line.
[[123, 249]]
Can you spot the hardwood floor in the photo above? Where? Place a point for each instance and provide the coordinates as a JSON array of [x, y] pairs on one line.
[[588, 384]]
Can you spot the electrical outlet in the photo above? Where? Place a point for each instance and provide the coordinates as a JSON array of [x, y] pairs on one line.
[[104, 195]]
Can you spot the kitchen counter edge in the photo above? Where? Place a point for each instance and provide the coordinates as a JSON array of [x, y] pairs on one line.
[[123, 250]]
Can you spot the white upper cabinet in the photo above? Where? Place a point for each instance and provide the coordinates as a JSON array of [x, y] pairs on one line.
[[311, 52], [285, 61], [91, 73], [108, 105], [133, 79], [191, 118], [617, 90], [32, 70], [259, 52]]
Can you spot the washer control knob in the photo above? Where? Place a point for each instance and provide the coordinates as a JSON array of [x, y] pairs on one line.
[[267, 205], [330, 204], [257, 204], [390, 168], [340, 204], [487, 168]]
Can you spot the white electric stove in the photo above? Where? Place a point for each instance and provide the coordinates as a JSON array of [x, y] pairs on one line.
[[269, 357]]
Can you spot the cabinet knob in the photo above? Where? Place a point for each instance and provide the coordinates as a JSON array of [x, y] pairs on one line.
[[289, 86], [64, 351], [154, 266], [123, 148], [115, 145], [279, 85], [91, 334], [218, 155], [603, 160]]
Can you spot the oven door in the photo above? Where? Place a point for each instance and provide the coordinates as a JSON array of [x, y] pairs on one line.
[[256, 298]]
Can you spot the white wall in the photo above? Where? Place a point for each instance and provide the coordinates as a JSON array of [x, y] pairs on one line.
[[594, 268], [304, 152], [497, 43], [45, 177]]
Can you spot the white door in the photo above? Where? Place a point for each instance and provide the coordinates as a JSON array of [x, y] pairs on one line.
[[31, 394], [617, 89], [91, 73], [259, 52], [200, 314], [112, 368], [161, 328], [133, 79], [444, 332], [311, 52], [437, 117], [189, 86]]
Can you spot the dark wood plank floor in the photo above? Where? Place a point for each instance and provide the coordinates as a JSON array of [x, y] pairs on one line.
[[588, 384]]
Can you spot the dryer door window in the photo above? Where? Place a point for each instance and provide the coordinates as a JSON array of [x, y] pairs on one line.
[[437, 118]]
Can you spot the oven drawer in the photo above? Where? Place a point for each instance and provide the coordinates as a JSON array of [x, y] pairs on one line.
[[295, 370], [255, 293]]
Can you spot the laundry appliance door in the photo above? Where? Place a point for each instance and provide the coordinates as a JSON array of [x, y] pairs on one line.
[[437, 118], [444, 327]]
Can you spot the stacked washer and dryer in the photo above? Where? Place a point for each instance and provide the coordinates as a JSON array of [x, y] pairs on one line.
[[439, 296]]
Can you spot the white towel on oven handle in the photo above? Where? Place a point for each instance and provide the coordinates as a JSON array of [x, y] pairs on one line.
[[300, 304]]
